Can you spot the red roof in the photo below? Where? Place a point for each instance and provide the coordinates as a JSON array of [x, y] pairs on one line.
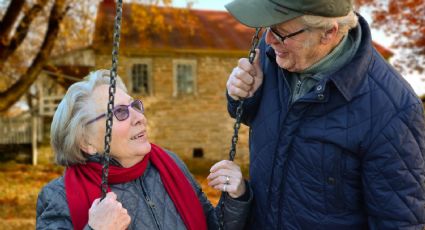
[[200, 30], [184, 30]]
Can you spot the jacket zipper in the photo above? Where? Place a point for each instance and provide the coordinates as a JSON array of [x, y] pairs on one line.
[[151, 205], [298, 87], [289, 88]]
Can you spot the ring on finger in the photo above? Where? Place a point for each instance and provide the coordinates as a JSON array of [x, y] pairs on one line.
[[227, 180]]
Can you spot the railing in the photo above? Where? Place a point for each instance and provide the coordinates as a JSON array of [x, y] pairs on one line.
[[16, 130], [49, 104]]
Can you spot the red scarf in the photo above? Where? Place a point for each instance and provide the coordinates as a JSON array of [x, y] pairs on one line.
[[82, 186]]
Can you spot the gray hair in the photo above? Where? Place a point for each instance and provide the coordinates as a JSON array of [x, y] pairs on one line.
[[345, 23], [68, 125]]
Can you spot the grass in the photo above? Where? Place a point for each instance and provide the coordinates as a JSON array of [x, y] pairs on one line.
[[21, 183]]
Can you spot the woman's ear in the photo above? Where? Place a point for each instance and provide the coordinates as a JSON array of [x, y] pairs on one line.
[[88, 148]]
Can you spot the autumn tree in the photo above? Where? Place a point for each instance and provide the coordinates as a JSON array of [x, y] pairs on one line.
[[33, 30], [15, 30], [151, 19], [405, 20], [146, 20]]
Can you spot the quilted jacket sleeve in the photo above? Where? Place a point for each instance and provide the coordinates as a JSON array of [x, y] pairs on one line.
[[235, 213], [394, 172], [249, 107], [52, 209]]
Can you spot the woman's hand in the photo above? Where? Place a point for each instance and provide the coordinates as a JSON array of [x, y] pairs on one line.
[[227, 177], [108, 214]]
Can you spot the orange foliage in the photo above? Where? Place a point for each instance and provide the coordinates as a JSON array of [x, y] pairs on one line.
[[404, 19], [149, 20]]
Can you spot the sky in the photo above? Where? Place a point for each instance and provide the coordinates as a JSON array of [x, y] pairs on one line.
[[416, 80], [203, 4]]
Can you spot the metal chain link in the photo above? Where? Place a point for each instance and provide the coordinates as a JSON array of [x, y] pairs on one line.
[[112, 89], [239, 111]]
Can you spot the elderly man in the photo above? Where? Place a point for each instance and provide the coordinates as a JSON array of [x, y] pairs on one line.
[[336, 134]]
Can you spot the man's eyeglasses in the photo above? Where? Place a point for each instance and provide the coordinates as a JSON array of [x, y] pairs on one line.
[[121, 112], [281, 38]]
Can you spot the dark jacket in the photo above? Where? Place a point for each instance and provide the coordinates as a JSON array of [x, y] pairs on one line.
[[147, 202], [347, 155]]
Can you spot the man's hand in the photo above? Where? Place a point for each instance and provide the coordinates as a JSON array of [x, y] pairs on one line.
[[245, 79]]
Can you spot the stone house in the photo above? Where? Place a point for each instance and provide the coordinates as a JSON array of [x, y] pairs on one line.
[[180, 75]]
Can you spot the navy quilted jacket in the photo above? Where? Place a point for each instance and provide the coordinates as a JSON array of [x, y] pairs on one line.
[[347, 155]]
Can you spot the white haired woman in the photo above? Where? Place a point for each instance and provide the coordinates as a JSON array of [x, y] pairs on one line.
[[150, 188]]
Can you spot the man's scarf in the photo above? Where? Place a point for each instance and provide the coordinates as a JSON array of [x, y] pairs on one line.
[[82, 186]]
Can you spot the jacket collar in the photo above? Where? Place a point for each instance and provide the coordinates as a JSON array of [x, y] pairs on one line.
[[350, 80]]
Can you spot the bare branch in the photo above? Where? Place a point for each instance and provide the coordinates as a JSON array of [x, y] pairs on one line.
[[20, 87], [11, 15], [21, 31]]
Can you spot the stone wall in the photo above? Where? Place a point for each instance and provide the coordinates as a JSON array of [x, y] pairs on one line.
[[186, 122]]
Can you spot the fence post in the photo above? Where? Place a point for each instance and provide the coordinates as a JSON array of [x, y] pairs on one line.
[[34, 138]]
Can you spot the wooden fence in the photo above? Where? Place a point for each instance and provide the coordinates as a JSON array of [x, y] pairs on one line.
[[48, 105], [17, 133], [16, 130]]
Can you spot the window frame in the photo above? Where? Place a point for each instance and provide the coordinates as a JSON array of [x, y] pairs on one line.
[[193, 64], [148, 63]]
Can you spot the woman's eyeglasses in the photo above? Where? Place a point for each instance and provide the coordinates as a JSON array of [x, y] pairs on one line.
[[281, 38], [121, 112]]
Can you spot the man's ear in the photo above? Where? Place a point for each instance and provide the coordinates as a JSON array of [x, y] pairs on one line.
[[329, 35]]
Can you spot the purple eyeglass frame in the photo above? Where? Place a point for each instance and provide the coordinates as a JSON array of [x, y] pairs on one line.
[[120, 107]]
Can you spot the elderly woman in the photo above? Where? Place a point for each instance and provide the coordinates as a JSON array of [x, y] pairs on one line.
[[150, 188]]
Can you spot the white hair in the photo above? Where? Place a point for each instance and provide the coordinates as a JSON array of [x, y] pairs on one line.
[[345, 23], [73, 112]]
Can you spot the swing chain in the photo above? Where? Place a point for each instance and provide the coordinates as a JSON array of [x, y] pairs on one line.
[[239, 111], [112, 89]]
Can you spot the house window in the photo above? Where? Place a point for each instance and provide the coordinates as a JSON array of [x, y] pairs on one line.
[[140, 79], [185, 79]]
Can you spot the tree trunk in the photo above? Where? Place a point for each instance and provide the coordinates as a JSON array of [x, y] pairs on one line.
[[7, 49], [20, 87]]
